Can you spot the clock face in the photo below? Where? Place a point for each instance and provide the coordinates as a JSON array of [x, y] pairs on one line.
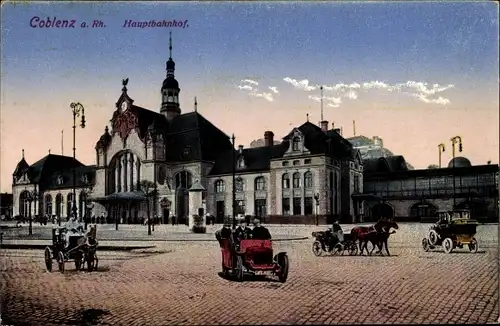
[[124, 106]]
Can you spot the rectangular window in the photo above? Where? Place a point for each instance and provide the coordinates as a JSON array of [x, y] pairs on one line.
[[286, 206], [308, 206], [260, 207], [297, 206], [240, 207], [356, 183]]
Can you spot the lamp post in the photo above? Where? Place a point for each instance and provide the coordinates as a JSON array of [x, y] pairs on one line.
[[455, 140], [31, 197], [77, 109], [441, 149], [234, 183], [316, 199]]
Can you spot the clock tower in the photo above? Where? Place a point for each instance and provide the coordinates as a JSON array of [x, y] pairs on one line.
[[170, 90]]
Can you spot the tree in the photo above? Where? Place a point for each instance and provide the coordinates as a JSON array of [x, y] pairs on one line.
[[433, 166], [148, 187]]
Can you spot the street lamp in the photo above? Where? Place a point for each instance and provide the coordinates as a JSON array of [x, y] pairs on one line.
[[316, 199], [31, 196], [441, 149], [455, 140], [234, 183], [77, 109]]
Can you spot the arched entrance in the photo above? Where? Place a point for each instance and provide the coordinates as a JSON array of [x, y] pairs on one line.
[[59, 205], [382, 210], [183, 181], [48, 205], [419, 210]]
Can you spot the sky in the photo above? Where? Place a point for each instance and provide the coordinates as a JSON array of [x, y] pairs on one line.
[[415, 74]]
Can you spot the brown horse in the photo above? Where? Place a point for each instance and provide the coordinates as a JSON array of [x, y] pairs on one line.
[[377, 234]]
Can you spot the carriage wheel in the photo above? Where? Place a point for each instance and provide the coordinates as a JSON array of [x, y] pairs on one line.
[[284, 264], [448, 245], [48, 259], [337, 249], [353, 249], [317, 249], [473, 247], [425, 244], [433, 237], [60, 261], [90, 262], [239, 269]]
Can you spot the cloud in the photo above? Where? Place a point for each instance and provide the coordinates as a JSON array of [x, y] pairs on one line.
[[440, 100], [341, 87], [274, 89], [300, 84], [267, 96], [253, 90], [330, 101], [246, 87], [249, 81]]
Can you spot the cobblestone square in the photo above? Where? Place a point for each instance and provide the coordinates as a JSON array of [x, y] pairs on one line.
[[179, 283]]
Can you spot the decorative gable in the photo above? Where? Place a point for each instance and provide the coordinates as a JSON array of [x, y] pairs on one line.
[[297, 143], [240, 162]]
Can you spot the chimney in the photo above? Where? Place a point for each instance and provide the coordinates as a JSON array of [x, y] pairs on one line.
[[333, 125], [268, 138], [240, 149], [324, 125], [337, 130]]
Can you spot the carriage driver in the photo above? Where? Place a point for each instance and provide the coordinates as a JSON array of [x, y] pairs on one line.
[[72, 228]]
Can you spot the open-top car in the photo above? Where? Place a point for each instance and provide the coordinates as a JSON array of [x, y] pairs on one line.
[[252, 257], [453, 229], [81, 249]]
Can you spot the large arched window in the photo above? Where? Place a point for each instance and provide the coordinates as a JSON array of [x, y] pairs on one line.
[[59, 204], [260, 183], [308, 179], [183, 180], [69, 204], [219, 186], [48, 205], [240, 184], [296, 144], [23, 203], [124, 173], [285, 181], [296, 180]]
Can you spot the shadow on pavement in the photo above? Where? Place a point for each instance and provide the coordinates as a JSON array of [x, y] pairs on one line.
[[250, 278]]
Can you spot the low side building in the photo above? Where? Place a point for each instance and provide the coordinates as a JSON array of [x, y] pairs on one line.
[[394, 191]]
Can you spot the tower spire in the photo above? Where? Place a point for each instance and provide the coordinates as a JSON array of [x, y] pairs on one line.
[[307, 117], [321, 88], [170, 47], [23, 153], [195, 105]]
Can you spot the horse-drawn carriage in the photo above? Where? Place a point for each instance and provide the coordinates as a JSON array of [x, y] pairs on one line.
[[251, 256], [453, 229], [81, 249], [326, 241]]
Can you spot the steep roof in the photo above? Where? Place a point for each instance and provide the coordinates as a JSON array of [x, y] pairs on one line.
[[21, 167], [84, 177], [41, 172], [191, 137], [256, 159]]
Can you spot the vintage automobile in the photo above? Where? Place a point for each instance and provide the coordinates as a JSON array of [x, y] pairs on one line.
[[454, 229], [252, 257], [81, 249], [322, 244]]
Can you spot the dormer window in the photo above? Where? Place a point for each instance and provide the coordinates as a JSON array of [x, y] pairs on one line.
[[60, 180], [296, 144], [85, 178], [241, 163]]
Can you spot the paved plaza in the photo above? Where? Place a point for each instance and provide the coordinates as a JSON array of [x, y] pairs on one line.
[[179, 282]]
